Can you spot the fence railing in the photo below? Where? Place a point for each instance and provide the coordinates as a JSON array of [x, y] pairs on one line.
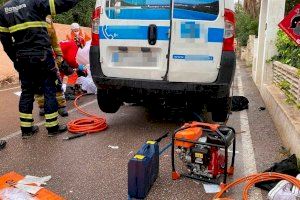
[[283, 72]]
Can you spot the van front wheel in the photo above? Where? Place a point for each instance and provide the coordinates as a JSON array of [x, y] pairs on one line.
[[108, 101]]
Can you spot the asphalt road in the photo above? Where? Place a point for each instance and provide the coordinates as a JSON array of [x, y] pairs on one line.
[[86, 168]]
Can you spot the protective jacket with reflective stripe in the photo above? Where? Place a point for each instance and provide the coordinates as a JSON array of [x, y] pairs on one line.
[[22, 24]]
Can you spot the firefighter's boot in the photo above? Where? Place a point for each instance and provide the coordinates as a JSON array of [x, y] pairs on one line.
[[53, 131], [27, 133], [63, 112]]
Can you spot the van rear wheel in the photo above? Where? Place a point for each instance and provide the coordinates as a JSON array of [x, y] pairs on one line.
[[108, 101], [221, 110]]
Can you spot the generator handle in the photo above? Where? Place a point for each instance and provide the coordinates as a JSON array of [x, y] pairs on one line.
[[162, 137], [212, 127]]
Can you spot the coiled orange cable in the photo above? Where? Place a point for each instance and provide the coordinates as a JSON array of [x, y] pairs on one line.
[[87, 125], [256, 178]]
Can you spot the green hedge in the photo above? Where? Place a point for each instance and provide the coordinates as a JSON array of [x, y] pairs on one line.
[[2, 2], [288, 51], [290, 4], [245, 26], [81, 14], [83, 10]]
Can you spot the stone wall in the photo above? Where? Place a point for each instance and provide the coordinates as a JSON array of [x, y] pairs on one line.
[[247, 53]]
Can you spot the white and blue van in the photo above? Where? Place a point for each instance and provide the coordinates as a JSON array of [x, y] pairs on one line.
[[178, 51]]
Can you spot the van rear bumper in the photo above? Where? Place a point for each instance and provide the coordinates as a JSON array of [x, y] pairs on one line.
[[218, 89]]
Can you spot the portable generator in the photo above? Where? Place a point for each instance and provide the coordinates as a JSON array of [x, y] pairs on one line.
[[203, 149]]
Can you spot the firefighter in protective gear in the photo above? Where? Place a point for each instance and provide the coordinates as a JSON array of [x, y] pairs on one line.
[[24, 36], [60, 97]]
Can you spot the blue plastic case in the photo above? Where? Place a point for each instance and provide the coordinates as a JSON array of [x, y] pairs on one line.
[[143, 170]]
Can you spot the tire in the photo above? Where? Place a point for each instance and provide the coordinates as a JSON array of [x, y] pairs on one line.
[[221, 110], [108, 101]]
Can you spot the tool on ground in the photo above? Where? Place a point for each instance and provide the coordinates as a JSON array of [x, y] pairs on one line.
[[143, 169], [87, 125], [256, 178], [262, 108], [199, 146], [74, 136], [2, 144]]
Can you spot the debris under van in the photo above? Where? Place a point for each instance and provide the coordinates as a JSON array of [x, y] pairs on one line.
[[239, 103]]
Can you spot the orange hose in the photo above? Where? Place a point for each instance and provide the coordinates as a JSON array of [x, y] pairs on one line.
[[88, 125], [256, 178]]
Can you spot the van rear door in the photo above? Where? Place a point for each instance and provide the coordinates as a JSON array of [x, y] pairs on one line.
[[196, 40], [134, 38]]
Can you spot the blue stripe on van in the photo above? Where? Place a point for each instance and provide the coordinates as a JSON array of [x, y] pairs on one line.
[[141, 33], [193, 57], [215, 35], [157, 14], [131, 32]]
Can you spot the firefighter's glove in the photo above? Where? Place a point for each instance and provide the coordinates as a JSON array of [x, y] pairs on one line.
[[66, 68], [59, 60], [82, 71]]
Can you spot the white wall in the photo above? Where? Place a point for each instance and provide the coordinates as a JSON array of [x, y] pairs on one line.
[[272, 12]]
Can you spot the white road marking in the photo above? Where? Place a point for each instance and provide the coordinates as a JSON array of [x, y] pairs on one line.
[[10, 89], [12, 135], [229, 151], [247, 145], [18, 93]]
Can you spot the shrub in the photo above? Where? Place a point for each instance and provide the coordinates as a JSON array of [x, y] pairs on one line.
[[289, 5], [81, 14], [286, 87], [2, 2], [245, 26], [288, 51]]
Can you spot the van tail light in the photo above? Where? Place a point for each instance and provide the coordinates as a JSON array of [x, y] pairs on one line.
[[95, 26], [228, 43]]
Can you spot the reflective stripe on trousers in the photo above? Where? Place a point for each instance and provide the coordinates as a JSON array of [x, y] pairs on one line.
[[38, 77], [51, 120], [26, 120], [60, 97]]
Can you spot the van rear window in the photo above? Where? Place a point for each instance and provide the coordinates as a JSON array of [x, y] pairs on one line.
[[196, 9], [160, 9]]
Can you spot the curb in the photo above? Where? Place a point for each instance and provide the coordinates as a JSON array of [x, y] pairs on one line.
[[286, 117]]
